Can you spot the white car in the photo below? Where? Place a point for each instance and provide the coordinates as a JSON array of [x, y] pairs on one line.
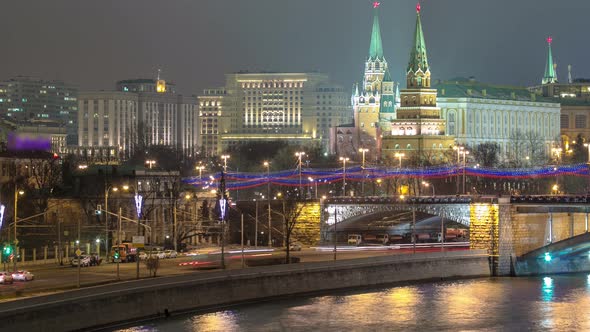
[[295, 247], [22, 276], [160, 254], [83, 260], [170, 253]]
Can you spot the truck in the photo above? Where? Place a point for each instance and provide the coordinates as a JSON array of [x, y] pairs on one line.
[[127, 252], [454, 235]]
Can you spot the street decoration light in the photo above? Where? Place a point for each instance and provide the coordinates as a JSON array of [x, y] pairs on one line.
[[225, 157], [316, 185], [150, 162], [363, 151], [2, 208], [16, 194], [299, 155], [344, 160]]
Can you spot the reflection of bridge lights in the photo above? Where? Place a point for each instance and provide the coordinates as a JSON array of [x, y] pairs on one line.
[[547, 282], [547, 257], [588, 280]]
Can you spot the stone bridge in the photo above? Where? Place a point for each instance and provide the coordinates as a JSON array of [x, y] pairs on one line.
[[507, 227]]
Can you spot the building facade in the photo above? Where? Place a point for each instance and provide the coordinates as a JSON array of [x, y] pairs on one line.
[[297, 108], [142, 112], [29, 101], [477, 113]]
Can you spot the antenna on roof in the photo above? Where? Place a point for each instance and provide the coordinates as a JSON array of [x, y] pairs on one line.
[[569, 74], [158, 74]]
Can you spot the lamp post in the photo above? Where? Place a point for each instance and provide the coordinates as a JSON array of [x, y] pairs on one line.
[[427, 184], [267, 165], [299, 155], [588, 146], [106, 219], [363, 151], [16, 194], [464, 153], [344, 160], [150, 162], [458, 149], [200, 168], [316, 186], [400, 156], [225, 157]]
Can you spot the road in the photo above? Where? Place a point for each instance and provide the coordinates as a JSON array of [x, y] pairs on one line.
[[51, 278]]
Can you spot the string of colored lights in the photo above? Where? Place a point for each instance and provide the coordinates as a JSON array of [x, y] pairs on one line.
[[238, 181]]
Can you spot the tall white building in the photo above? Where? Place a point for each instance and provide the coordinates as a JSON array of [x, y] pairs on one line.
[[144, 111], [290, 107]]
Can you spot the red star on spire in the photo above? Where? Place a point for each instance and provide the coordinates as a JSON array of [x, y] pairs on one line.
[[376, 4], [418, 7], [549, 40]]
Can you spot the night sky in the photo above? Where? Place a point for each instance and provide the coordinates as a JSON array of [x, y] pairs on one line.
[[195, 42]]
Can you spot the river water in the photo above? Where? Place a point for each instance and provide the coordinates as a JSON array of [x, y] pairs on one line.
[[554, 303]]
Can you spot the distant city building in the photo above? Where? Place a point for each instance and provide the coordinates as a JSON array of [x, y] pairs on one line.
[[31, 101], [142, 112], [418, 132], [289, 107], [477, 113]]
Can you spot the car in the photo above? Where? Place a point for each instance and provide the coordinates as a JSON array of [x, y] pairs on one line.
[[170, 253], [83, 260], [160, 254], [143, 255], [295, 247], [22, 276], [6, 278], [95, 260]]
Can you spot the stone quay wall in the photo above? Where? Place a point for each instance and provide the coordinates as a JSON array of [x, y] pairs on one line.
[[103, 306]]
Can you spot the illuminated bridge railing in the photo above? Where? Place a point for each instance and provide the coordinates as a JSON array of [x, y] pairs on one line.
[[397, 200], [540, 199]]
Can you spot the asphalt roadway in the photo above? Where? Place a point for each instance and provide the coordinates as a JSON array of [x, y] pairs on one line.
[[51, 278]]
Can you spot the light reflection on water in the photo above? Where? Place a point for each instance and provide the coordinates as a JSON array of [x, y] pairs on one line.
[[507, 304]]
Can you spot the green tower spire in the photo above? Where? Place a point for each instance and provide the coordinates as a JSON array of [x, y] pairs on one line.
[[376, 47], [550, 76], [418, 58]]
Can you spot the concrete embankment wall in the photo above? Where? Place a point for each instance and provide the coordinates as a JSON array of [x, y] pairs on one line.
[[150, 298]]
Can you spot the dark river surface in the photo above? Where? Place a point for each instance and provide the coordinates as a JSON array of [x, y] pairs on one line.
[[552, 303]]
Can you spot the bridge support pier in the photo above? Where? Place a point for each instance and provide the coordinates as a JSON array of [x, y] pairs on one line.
[[505, 239]]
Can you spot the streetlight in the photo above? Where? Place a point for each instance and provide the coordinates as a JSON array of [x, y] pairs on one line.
[[16, 194], [225, 157], [200, 168], [555, 189], [150, 162], [299, 155], [400, 156], [344, 160], [458, 149], [267, 165], [363, 151], [427, 184], [106, 219], [316, 186], [464, 153]]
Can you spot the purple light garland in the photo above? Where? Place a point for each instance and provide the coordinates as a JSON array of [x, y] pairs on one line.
[[238, 181]]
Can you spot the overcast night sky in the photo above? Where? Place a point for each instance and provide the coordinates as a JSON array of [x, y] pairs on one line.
[[94, 43]]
